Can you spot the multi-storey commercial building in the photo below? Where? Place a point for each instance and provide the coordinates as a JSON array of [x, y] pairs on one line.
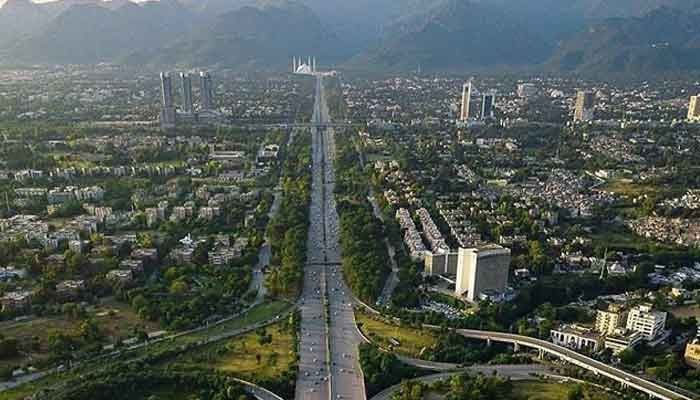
[[487, 102], [648, 322], [466, 101], [207, 89], [186, 93], [167, 113], [694, 109], [621, 340], [585, 102], [608, 321]]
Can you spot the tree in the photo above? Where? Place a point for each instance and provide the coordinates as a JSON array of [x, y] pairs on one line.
[[575, 393], [75, 262], [179, 287], [8, 348]]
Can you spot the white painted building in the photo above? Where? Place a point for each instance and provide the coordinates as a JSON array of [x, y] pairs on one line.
[[648, 322], [577, 338]]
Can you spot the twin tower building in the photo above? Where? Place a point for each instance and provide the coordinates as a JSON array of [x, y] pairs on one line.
[[170, 115]]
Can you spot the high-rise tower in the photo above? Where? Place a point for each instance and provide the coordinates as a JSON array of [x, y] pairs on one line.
[[186, 93], [694, 109], [167, 113], [487, 101], [207, 90], [466, 100], [585, 101]]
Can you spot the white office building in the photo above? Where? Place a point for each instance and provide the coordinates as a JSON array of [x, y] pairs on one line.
[[650, 323]]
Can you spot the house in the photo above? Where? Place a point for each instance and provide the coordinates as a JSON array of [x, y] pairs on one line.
[[16, 300], [69, 289], [120, 276]]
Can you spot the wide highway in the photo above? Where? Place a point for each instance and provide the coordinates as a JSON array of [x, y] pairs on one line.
[[328, 365]]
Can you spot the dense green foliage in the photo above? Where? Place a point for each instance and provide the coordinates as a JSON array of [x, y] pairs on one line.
[[136, 382], [382, 369], [288, 231], [179, 301], [365, 258]]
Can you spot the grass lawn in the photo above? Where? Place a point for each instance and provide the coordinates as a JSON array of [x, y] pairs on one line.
[[536, 390], [259, 313], [247, 356], [411, 340], [629, 188]]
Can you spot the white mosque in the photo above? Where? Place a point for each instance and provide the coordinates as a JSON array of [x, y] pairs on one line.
[[304, 68]]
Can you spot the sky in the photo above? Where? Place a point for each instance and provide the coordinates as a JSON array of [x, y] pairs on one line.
[[2, 2]]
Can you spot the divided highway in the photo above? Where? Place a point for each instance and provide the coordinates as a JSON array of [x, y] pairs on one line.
[[328, 363]]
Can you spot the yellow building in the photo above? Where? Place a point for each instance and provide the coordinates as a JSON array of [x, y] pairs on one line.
[[692, 354], [608, 321], [694, 109]]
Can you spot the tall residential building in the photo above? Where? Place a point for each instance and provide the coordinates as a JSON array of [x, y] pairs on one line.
[[441, 263], [207, 91], [482, 270], [167, 113], [186, 93], [694, 109], [487, 101], [608, 321], [466, 101], [585, 101], [648, 322]]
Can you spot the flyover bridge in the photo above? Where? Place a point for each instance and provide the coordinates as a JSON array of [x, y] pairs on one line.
[[578, 359]]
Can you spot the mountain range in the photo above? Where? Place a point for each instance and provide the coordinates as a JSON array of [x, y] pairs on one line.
[[581, 36]]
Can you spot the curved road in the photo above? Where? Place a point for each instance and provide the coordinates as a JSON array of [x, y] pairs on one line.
[[580, 360], [258, 392], [514, 372]]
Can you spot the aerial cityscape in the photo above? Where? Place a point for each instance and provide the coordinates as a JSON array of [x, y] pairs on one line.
[[316, 200]]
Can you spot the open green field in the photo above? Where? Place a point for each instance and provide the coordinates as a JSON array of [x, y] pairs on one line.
[[538, 390], [259, 313], [628, 188], [411, 340], [263, 354]]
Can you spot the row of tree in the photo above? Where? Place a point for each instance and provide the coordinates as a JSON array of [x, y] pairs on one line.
[[366, 262], [288, 231]]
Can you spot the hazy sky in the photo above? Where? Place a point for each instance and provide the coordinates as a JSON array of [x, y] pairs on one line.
[[2, 2]]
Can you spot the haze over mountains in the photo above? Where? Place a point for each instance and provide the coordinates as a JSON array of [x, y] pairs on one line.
[[630, 36]]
